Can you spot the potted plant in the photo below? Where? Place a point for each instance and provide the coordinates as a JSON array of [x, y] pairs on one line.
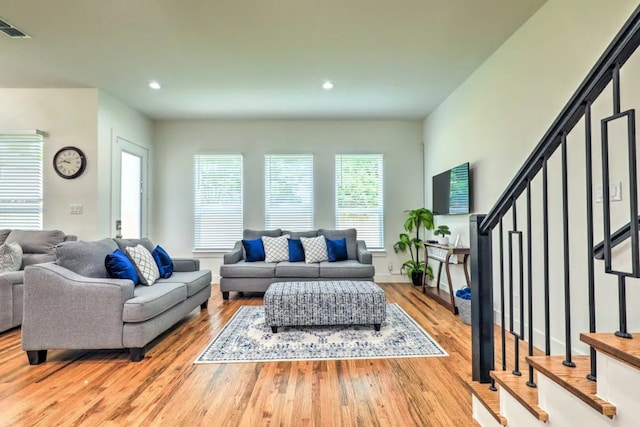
[[416, 219], [442, 231]]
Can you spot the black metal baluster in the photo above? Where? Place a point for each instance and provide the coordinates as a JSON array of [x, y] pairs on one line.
[[545, 243], [565, 230], [502, 305], [516, 368], [530, 382], [616, 88], [590, 263]]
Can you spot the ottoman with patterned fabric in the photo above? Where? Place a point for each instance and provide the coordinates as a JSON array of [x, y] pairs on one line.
[[324, 303]]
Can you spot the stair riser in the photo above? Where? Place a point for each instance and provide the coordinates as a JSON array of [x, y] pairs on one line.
[[565, 409], [515, 413], [619, 384], [482, 415]]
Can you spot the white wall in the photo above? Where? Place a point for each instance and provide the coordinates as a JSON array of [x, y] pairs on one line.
[[68, 116], [500, 113], [177, 141]]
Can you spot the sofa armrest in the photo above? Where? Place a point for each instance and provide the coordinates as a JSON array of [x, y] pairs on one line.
[[186, 264], [7, 282], [363, 255], [235, 254], [63, 309]]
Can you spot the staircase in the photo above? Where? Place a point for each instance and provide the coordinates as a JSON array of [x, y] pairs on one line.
[[556, 365]]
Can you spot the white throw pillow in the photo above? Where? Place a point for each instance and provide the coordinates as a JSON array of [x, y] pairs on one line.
[[276, 249], [315, 249], [147, 266], [10, 257]]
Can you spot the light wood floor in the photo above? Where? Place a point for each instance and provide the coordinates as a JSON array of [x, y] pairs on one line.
[[167, 389]]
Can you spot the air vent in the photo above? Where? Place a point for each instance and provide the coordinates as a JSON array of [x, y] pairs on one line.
[[12, 31]]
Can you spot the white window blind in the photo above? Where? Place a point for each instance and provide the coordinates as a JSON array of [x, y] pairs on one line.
[[359, 196], [21, 181], [289, 191], [218, 215]]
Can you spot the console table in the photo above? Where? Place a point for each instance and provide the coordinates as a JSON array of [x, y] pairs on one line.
[[443, 254]]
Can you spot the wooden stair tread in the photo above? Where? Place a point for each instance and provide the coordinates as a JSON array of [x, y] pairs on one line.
[[573, 380], [490, 399], [623, 349], [517, 386]]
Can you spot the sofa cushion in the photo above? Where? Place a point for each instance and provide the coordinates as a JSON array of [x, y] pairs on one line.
[[124, 243], [346, 269], [85, 258], [299, 234], [248, 269], [10, 257], [276, 249], [253, 249], [297, 269], [3, 234], [315, 249], [163, 261], [147, 269], [150, 301], [350, 236], [296, 251], [119, 266], [257, 234], [337, 249], [195, 281], [38, 246]]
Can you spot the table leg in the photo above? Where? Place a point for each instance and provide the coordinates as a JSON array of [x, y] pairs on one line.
[[466, 270], [453, 301]]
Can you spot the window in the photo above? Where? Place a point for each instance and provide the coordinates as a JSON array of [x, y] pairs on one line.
[[288, 191], [218, 220], [21, 181], [359, 201]]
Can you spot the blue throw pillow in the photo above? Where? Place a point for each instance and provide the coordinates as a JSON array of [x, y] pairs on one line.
[[163, 261], [254, 250], [296, 251], [337, 249], [119, 266]]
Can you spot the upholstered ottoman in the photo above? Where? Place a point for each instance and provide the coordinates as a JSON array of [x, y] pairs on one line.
[[324, 303]]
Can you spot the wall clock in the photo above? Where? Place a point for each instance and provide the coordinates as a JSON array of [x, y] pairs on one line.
[[69, 162]]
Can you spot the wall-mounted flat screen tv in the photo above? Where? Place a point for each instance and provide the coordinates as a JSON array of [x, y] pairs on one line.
[[451, 191]]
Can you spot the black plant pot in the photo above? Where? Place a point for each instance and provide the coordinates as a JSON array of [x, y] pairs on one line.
[[416, 277]]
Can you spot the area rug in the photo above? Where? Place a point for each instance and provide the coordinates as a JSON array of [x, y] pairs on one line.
[[246, 338]]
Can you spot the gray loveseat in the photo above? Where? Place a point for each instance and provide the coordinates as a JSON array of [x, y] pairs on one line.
[[37, 247], [73, 304], [236, 274]]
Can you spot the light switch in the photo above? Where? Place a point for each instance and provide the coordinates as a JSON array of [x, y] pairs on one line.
[[75, 209]]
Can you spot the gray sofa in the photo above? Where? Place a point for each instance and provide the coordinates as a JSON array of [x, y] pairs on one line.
[[236, 274], [37, 247], [73, 304]]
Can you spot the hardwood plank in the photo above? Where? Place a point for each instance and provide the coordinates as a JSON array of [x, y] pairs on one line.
[[166, 388], [623, 349], [573, 379], [517, 387]]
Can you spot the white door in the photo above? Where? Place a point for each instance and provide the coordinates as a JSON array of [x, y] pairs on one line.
[[129, 184]]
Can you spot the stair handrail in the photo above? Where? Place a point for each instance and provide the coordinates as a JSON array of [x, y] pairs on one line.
[[617, 237], [616, 54]]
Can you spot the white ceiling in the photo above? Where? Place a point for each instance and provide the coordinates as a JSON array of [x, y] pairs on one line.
[[258, 58]]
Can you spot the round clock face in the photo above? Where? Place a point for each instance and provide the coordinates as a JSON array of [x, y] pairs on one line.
[[69, 162]]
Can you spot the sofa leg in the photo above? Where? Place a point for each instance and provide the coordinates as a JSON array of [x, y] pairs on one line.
[[37, 357], [136, 354], [225, 295], [376, 326], [204, 305], [274, 329]]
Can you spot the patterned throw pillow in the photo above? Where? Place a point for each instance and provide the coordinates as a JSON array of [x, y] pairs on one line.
[[142, 258], [10, 257], [276, 249], [315, 249]]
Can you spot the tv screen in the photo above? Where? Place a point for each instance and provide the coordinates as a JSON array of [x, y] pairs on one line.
[[451, 191]]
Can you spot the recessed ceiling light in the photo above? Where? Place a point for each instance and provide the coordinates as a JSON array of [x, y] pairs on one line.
[[154, 85], [327, 85]]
